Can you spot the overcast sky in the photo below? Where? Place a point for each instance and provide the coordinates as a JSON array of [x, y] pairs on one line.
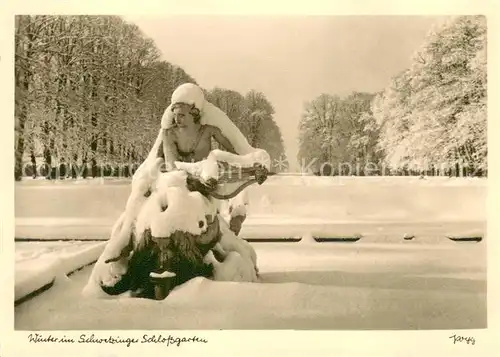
[[290, 59]]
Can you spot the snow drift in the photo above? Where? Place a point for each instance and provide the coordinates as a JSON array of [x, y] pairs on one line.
[[39, 263]]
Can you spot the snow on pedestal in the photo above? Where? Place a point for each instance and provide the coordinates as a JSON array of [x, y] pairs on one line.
[[165, 274]]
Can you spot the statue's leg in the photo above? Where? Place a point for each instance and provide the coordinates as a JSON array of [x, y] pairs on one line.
[[219, 253], [236, 222]]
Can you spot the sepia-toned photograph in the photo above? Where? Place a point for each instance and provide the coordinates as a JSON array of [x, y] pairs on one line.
[[210, 172]]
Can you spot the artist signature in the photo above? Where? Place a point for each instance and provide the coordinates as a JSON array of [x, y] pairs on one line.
[[462, 339]]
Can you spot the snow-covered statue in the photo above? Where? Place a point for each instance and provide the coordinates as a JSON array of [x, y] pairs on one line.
[[171, 229]]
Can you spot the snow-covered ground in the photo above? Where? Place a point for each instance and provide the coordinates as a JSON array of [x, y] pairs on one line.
[[304, 286], [380, 282]]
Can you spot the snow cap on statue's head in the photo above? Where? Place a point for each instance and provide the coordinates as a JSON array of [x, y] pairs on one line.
[[189, 93]]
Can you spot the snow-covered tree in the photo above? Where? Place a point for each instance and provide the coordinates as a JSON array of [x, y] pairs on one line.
[[433, 115], [253, 114], [339, 132], [89, 90]]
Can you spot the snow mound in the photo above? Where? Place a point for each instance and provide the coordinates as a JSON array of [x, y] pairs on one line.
[[234, 268], [265, 201]]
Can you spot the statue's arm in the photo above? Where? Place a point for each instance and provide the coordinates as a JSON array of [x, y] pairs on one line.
[[168, 150], [221, 139]]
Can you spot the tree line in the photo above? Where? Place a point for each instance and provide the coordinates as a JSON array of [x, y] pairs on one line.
[[253, 115], [431, 119], [90, 92]]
